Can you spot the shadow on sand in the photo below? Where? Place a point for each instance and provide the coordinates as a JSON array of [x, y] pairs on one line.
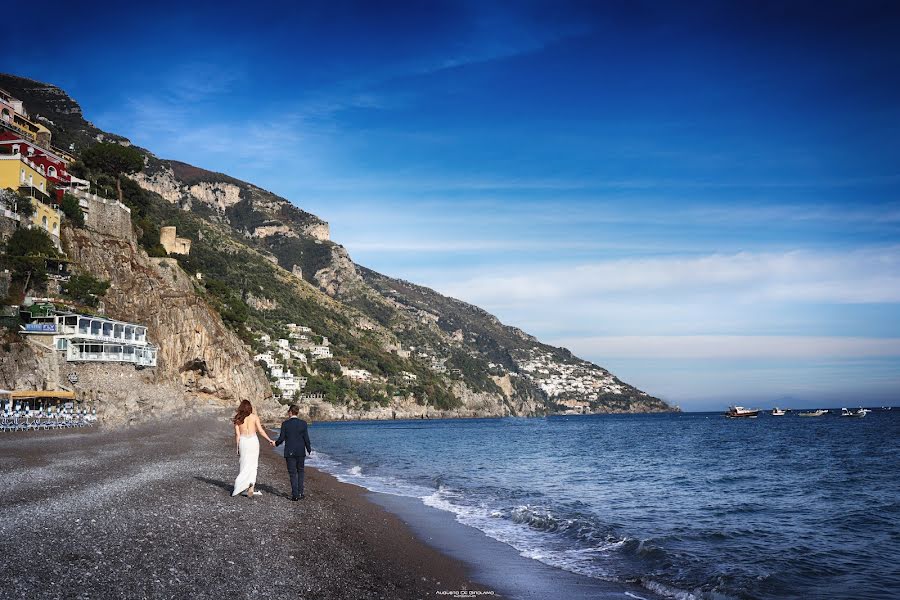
[[262, 487]]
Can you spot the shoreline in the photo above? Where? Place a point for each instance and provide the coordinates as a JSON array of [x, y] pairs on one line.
[[147, 512], [498, 565], [311, 420]]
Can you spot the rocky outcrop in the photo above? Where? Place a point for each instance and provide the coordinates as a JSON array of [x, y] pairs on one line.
[[162, 180], [317, 231], [200, 362], [340, 277], [474, 405], [28, 366], [217, 195], [269, 230]]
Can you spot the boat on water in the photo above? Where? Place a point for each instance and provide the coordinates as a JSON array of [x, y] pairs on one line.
[[739, 412], [855, 413], [779, 412], [814, 413]]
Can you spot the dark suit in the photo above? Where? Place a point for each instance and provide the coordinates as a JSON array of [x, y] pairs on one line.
[[295, 437]]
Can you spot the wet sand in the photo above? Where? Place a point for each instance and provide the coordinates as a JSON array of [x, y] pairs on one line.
[[147, 512]]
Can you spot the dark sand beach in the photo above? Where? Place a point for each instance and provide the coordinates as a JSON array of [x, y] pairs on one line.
[[146, 512]]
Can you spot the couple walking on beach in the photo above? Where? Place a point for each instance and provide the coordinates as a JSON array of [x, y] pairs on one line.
[[294, 436]]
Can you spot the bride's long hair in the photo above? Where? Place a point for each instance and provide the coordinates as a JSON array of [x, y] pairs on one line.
[[243, 412]]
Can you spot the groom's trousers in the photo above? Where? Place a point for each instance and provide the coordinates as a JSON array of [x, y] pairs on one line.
[[295, 470]]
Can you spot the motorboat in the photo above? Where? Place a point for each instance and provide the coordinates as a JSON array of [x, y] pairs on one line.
[[739, 412], [779, 412], [855, 413], [814, 413]]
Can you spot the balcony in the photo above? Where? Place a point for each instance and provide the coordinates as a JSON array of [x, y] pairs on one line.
[[103, 330], [91, 351]]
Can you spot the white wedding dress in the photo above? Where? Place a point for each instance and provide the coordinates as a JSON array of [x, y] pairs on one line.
[[249, 447]]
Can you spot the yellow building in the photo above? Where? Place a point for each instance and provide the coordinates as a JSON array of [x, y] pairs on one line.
[[47, 218], [17, 172], [33, 131]]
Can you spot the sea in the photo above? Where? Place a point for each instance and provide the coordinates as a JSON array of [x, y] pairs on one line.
[[689, 505]]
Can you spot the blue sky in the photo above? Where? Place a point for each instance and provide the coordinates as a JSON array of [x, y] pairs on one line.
[[703, 199]]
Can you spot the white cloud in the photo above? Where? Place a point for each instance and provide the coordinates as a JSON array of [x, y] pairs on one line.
[[391, 245], [860, 276], [732, 347]]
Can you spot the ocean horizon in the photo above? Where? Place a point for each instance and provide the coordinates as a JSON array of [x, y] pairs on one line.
[[685, 505]]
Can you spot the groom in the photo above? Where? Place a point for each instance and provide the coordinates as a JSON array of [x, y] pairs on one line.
[[295, 438]]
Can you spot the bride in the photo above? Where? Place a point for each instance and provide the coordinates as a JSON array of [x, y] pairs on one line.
[[246, 426]]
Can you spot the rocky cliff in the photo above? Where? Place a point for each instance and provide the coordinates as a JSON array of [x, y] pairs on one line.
[[201, 363]]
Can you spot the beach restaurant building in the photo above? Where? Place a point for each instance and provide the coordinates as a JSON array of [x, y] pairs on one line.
[[94, 339]]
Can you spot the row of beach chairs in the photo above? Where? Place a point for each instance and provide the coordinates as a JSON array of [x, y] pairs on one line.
[[19, 418]]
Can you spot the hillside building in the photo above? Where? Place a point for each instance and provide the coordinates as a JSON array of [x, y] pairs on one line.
[[93, 339], [320, 352], [356, 374], [54, 165], [20, 173], [47, 218], [173, 244], [14, 116]]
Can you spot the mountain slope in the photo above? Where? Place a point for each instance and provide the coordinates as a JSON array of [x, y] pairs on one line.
[[266, 263]]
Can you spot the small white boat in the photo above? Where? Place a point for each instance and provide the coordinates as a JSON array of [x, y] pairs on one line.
[[855, 413], [739, 412], [815, 413], [778, 412]]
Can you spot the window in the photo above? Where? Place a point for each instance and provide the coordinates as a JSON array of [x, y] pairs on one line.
[[55, 227], [51, 171], [15, 148], [6, 114], [44, 221]]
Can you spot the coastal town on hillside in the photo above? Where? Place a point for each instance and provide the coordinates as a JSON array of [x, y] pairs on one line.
[[284, 359], [573, 386]]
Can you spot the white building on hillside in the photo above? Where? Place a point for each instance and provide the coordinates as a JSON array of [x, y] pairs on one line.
[[357, 374], [289, 384], [93, 339], [265, 357], [320, 352]]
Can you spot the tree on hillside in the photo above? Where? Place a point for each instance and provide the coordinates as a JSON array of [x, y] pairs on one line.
[[78, 169], [30, 242], [86, 289], [114, 160], [72, 209], [24, 206], [26, 253]]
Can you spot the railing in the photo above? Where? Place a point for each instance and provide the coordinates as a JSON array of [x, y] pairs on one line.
[[100, 337], [139, 355], [11, 215], [20, 131], [79, 193]]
